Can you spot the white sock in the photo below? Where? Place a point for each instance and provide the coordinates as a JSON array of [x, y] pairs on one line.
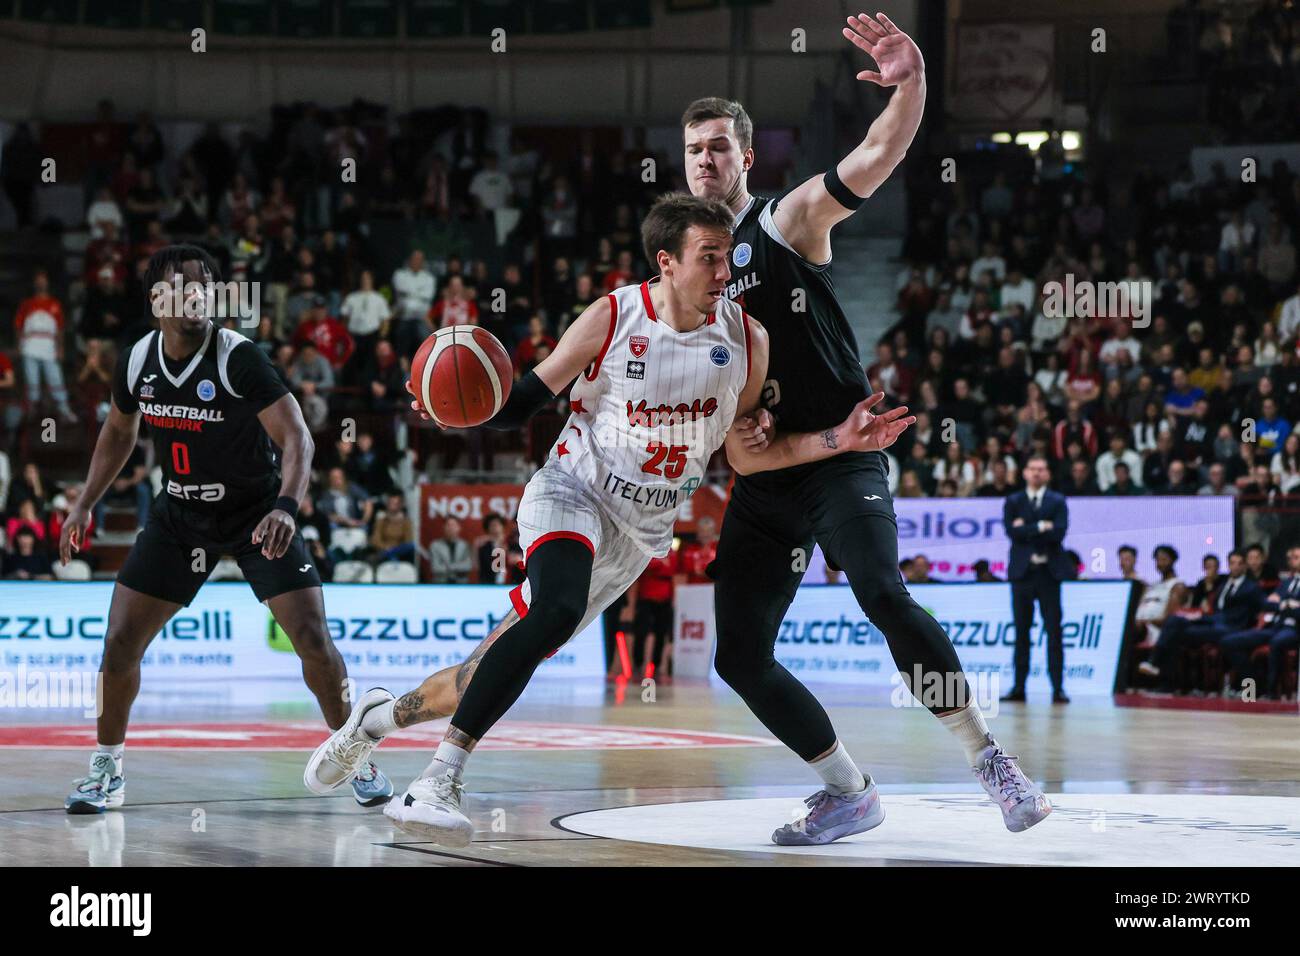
[[115, 751], [378, 721], [448, 759], [838, 771], [968, 726]]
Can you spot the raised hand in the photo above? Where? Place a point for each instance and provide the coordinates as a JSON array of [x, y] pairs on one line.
[[897, 57]]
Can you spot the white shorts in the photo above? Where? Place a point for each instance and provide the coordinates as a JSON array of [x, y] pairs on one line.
[[555, 506]]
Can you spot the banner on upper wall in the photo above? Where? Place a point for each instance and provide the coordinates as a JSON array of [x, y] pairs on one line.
[[392, 632], [954, 533], [826, 638], [1003, 73]]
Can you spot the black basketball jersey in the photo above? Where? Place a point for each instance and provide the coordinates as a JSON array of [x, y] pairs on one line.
[[814, 375], [202, 415]]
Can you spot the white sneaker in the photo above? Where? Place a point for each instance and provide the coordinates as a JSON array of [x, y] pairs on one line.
[[1149, 669], [347, 750], [430, 808]]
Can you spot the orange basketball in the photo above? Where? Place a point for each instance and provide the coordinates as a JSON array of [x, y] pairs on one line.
[[461, 376]]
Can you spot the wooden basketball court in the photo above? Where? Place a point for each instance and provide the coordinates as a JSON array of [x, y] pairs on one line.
[[607, 776]]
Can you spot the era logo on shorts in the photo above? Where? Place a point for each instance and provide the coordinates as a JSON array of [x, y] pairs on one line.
[[637, 344], [207, 391], [211, 492], [742, 254], [636, 370], [720, 356]]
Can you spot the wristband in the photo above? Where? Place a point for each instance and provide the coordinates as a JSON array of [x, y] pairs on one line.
[[287, 504], [842, 194]]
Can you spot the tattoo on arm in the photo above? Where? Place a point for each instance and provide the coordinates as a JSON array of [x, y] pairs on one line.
[[828, 438]]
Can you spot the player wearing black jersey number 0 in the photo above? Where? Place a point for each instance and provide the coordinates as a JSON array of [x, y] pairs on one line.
[[781, 271], [217, 411]]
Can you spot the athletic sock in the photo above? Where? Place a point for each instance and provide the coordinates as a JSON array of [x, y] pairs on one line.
[[448, 759], [968, 726], [115, 751], [378, 720], [840, 774]]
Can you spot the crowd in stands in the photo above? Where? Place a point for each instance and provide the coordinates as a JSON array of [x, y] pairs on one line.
[[341, 311]]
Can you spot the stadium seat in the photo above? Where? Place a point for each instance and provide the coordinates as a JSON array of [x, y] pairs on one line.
[[353, 572], [347, 540], [396, 572]]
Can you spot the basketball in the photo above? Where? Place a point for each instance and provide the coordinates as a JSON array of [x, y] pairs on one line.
[[461, 376]]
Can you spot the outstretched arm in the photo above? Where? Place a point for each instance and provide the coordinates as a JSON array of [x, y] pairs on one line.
[[806, 215], [861, 431]]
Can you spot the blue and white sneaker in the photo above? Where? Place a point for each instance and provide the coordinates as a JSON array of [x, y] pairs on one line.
[[346, 753], [102, 789], [830, 817], [371, 786], [1021, 802]]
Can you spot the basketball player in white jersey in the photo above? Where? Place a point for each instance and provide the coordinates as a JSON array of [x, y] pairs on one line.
[[662, 370]]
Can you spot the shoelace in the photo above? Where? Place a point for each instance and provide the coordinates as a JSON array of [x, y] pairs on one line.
[[1005, 774], [448, 789], [367, 773], [350, 754]]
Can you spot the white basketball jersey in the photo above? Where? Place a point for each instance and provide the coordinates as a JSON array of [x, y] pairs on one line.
[[649, 414]]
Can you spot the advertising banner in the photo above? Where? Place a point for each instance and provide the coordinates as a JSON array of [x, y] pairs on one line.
[[826, 638], [391, 632]]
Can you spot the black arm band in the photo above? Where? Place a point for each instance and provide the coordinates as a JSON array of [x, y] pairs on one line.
[[527, 397], [287, 504], [835, 186]]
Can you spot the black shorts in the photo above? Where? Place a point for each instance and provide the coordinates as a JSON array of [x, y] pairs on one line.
[[788, 511], [654, 617], [178, 548]]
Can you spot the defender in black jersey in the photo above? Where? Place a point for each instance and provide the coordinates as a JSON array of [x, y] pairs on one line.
[[220, 417], [781, 261]]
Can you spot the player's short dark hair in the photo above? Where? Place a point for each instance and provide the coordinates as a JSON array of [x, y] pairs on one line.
[[1167, 549], [1129, 548], [715, 107], [665, 225], [169, 260]]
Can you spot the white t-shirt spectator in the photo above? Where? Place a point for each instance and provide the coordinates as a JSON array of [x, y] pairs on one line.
[[414, 292], [1290, 321], [1111, 348], [985, 263], [101, 211], [38, 325], [492, 188], [1022, 293], [365, 311], [1107, 461]]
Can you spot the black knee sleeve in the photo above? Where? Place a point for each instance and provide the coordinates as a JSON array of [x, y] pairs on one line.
[[559, 579]]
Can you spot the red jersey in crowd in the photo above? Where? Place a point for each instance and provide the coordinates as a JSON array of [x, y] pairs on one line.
[[656, 581], [694, 558], [526, 351], [329, 335], [449, 312]]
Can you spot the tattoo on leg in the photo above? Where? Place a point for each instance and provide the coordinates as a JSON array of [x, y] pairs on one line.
[[410, 709], [465, 673], [459, 738]]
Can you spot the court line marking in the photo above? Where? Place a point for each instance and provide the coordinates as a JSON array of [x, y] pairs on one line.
[[453, 856]]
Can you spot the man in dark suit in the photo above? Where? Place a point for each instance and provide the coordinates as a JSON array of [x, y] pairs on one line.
[[1238, 601], [1281, 634], [1036, 520]]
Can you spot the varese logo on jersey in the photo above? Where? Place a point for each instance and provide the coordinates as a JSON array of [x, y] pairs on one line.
[[638, 344]]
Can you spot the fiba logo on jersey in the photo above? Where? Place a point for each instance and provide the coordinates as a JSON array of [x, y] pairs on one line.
[[720, 356], [742, 253], [207, 391]]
